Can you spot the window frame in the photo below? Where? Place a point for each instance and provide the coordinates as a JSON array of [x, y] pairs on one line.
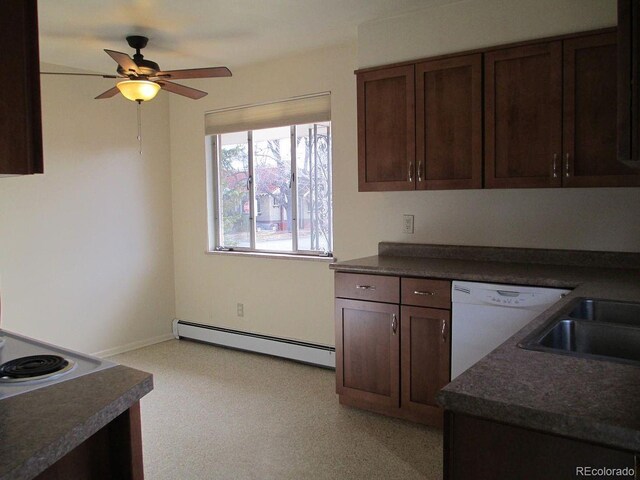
[[214, 200]]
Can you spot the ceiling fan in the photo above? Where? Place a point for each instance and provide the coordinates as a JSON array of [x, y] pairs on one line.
[[144, 78]]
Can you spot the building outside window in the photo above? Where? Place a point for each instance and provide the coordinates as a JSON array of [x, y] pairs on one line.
[[271, 187]]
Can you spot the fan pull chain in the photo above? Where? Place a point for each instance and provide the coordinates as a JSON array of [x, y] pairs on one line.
[[140, 126]]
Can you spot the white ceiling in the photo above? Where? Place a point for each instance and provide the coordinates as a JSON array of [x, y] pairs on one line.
[[202, 33]]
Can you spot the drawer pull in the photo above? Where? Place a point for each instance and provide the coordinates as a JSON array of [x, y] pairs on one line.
[[424, 293], [394, 323], [365, 287]]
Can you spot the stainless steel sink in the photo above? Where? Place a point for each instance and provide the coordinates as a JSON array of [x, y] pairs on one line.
[[625, 313], [591, 328]]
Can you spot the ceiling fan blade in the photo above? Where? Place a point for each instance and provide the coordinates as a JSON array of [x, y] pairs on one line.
[[108, 94], [124, 60], [195, 73], [181, 89], [81, 74]]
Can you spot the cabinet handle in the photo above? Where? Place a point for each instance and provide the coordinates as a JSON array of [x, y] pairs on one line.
[[420, 171], [566, 167], [420, 292], [555, 165], [444, 330], [365, 287], [411, 171], [394, 323]]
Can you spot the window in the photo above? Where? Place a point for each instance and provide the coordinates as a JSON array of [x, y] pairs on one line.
[[271, 186]]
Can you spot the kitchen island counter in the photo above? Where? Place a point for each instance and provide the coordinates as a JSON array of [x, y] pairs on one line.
[[40, 427]]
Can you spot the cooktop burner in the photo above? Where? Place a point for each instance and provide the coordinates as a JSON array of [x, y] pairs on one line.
[[33, 367], [27, 364]]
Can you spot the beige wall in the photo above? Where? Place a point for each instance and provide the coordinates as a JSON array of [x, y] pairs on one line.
[[86, 248], [469, 24], [590, 219], [294, 298], [287, 298]]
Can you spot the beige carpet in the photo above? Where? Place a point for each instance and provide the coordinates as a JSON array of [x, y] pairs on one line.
[[222, 414]]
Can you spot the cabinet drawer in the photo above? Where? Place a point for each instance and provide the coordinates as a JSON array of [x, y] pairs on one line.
[[426, 293], [378, 288]]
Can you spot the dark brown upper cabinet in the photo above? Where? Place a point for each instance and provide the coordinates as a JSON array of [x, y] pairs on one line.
[[523, 116], [589, 115], [629, 82], [449, 123], [545, 113], [386, 129], [20, 121]]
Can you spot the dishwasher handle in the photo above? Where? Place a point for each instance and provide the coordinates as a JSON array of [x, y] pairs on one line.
[[508, 293]]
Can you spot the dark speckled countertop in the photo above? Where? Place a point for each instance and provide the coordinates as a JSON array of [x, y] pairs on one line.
[[586, 399], [39, 427]]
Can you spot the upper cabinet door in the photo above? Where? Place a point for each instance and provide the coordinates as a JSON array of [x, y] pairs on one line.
[[449, 123], [523, 116], [20, 123], [386, 129], [589, 156], [629, 82]]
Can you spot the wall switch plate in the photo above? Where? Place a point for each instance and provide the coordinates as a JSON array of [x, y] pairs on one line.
[[240, 309], [407, 225]]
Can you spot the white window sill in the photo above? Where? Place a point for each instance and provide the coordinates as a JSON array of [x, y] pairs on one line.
[[285, 256]]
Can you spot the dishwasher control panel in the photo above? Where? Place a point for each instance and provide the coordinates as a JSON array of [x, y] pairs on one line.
[[538, 298]]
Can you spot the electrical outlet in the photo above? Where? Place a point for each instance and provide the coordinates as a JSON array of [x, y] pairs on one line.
[[407, 226], [240, 309]]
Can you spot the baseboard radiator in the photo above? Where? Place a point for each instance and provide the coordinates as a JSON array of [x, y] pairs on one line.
[[310, 353]]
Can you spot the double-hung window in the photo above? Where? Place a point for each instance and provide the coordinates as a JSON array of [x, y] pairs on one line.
[[270, 178]]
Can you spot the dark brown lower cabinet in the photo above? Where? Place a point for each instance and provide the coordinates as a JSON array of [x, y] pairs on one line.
[[368, 353], [114, 452], [392, 359], [425, 360], [479, 449]]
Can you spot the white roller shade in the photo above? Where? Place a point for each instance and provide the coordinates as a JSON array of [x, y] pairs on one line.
[[313, 108]]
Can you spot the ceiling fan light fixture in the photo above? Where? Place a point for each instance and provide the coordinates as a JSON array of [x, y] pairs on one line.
[[138, 90]]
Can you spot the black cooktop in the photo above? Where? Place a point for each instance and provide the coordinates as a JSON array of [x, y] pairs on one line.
[[32, 366]]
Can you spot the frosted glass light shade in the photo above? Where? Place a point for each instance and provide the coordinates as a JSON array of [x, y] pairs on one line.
[[138, 90]]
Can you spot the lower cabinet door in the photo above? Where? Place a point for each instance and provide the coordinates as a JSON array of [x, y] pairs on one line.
[[425, 360], [482, 449], [368, 352]]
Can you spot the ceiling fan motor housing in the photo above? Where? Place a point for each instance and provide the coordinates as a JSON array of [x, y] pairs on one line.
[[146, 67], [137, 42]]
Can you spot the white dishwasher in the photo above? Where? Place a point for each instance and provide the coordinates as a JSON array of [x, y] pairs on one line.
[[484, 315]]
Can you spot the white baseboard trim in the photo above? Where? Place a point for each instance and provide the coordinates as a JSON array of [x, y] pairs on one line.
[[134, 345], [304, 352]]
